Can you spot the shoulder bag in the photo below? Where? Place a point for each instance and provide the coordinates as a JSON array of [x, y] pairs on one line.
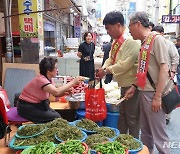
[[170, 100]]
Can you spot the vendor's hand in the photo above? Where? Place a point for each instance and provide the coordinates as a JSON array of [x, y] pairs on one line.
[[69, 91], [77, 80], [130, 92], [101, 73], [156, 104]]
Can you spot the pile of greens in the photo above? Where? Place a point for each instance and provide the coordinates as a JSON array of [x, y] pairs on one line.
[[57, 125], [58, 122], [110, 148], [48, 135], [128, 141], [29, 130], [105, 131], [70, 147], [94, 139], [87, 124], [70, 133], [42, 148]]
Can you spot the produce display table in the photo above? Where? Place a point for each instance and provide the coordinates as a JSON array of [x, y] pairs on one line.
[[59, 105], [64, 110]]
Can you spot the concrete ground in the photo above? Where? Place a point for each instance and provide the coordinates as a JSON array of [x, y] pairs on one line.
[[173, 130]]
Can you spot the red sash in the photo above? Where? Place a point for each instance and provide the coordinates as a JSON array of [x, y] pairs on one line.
[[115, 48], [144, 60]]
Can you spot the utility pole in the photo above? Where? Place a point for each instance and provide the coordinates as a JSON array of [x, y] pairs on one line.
[[170, 7], [7, 21], [156, 12]]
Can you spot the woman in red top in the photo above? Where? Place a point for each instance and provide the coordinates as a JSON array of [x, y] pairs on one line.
[[34, 100]]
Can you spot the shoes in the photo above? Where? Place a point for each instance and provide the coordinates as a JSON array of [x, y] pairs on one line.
[[167, 121]]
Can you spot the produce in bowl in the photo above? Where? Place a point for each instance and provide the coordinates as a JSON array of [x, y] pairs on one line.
[[86, 125], [95, 139], [72, 147], [107, 132], [110, 148], [70, 133], [30, 130], [132, 144]]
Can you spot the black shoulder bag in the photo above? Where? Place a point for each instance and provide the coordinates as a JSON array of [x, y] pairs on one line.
[[170, 100]]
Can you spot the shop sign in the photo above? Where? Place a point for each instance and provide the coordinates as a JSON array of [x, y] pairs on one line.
[[77, 26], [170, 18], [29, 22], [77, 32]]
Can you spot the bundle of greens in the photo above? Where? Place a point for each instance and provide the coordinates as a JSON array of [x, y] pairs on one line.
[[70, 133], [71, 147], [87, 124], [110, 148], [94, 139], [105, 131], [128, 141], [58, 122], [42, 148], [48, 135], [29, 130]]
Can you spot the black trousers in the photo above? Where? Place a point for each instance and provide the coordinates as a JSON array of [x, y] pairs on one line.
[[37, 113]]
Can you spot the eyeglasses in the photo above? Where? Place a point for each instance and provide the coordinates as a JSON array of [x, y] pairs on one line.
[[132, 24]]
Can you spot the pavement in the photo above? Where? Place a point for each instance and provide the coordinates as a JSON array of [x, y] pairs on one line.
[[173, 130]]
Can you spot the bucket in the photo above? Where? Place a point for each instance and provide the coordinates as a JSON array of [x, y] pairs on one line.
[[81, 114], [111, 119]]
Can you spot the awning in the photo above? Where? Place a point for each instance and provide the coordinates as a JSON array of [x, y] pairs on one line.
[[66, 4]]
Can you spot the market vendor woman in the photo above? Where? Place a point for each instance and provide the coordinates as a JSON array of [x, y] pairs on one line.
[[34, 100], [86, 52]]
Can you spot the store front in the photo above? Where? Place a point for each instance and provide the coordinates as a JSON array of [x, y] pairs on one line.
[[49, 37]]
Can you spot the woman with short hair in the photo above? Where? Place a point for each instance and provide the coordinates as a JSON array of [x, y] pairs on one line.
[[34, 100], [86, 52]]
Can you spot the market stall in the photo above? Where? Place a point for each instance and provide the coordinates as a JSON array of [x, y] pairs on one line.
[[80, 135]]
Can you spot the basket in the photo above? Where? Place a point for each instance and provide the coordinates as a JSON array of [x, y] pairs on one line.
[[135, 151], [116, 132], [83, 139], [85, 130], [12, 146], [36, 134], [85, 146]]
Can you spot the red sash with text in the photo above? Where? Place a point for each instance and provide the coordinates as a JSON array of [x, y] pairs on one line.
[[115, 48], [144, 60]]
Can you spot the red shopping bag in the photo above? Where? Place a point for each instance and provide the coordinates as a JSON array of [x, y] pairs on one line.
[[4, 97], [95, 104]]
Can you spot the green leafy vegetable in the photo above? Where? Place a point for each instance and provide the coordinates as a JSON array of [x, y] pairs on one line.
[[70, 133], [87, 124], [105, 131], [95, 139], [42, 148], [71, 147], [128, 141], [29, 130], [110, 148]]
